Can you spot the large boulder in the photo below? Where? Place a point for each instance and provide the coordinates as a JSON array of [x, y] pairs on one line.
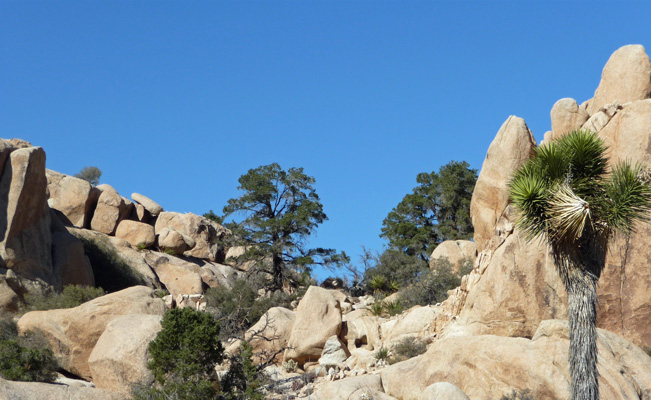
[[355, 388], [318, 316], [150, 205], [111, 209], [443, 391], [138, 234], [219, 275], [626, 77], [270, 335], [25, 238], [119, 359], [72, 333], [492, 366], [69, 261], [11, 390], [627, 134], [361, 330], [518, 288], [172, 240], [412, 324], [178, 276], [456, 252], [207, 234], [513, 145], [566, 116], [75, 199]]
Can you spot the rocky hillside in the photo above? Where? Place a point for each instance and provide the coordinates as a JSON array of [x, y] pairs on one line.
[[503, 329]]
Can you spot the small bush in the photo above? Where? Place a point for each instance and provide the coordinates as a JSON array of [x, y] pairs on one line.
[[239, 308], [394, 307], [432, 288], [24, 358], [187, 347], [376, 308], [406, 349], [242, 380], [71, 296], [382, 354], [518, 395], [467, 265], [290, 366]]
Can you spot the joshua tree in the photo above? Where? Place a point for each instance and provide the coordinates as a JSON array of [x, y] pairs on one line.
[[569, 197]]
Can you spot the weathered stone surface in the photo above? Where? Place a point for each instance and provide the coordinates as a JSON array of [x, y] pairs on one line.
[[270, 335], [518, 288], [512, 146], [215, 275], [72, 333], [149, 204], [456, 252], [69, 261], [334, 353], [111, 209], [566, 116], [491, 366], [175, 241], [413, 323], [8, 298], [206, 234], [318, 316], [136, 233], [443, 391], [119, 359], [352, 389], [47, 391], [627, 133], [626, 77], [74, 198], [25, 238], [178, 276], [360, 329]]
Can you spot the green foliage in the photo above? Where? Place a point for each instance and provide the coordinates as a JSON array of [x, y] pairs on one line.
[[24, 358], [466, 267], [406, 349], [160, 293], [71, 296], [214, 217], [393, 307], [432, 286], [111, 272], [90, 174], [281, 210], [238, 308], [518, 395], [382, 354], [187, 347], [242, 379], [393, 269], [377, 308], [175, 389], [564, 191], [438, 209], [290, 366]]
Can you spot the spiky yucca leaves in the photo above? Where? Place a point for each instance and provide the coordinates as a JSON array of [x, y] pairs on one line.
[[567, 197]]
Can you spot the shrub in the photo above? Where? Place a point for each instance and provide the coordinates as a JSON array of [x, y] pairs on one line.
[[432, 287], [393, 307], [518, 395], [242, 379], [466, 267], [111, 272], [90, 174], [382, 354], [23, 358], [376, 308], [71, 296], [188, 346], [406, 349], [239, 308], [290, 366]]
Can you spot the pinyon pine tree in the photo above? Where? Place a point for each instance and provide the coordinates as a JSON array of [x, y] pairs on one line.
[[569, 197]]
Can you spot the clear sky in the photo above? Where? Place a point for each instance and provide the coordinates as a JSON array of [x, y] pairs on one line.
[[176, 100]]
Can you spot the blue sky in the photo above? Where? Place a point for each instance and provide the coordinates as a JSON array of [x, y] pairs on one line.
[[176, 100]]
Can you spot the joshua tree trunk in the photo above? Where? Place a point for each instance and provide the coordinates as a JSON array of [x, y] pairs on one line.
[[582, 316]]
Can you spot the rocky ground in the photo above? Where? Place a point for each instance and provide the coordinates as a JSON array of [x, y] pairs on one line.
[[503, 329]]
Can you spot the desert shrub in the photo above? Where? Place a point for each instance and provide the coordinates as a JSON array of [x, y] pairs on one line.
[[175, 389], [518, 395], [466, 267], [395, 268], [376, 308], [406, 349], [90, 174], [242, 381], [187, 346], [24, 358], [111, 272], [290, 366], [71, 296], [432, 287], [237, 309], [382, 354], [393, 307]]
